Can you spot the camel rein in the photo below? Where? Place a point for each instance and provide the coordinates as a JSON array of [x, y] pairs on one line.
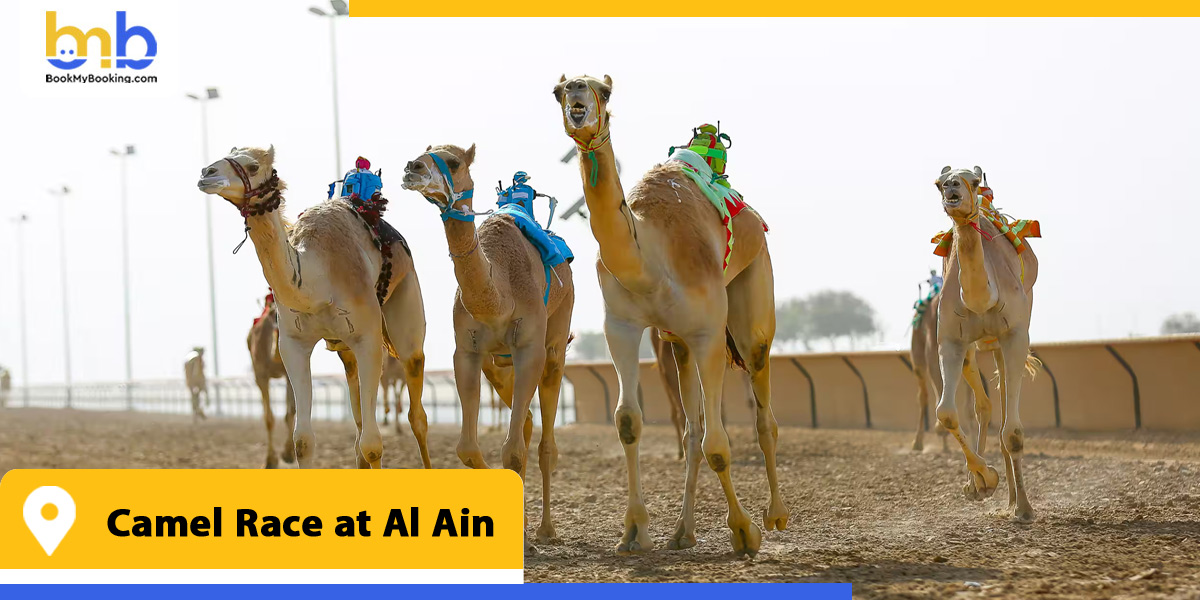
[[595, 143], [269, 191]]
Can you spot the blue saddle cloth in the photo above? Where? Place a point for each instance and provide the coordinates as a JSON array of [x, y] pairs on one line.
[[552, 248]]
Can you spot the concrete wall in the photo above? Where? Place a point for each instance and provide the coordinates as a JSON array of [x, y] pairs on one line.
[[1151, 383]]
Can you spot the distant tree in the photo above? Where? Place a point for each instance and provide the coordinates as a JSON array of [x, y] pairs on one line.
[[825, 315], [1181, 323]]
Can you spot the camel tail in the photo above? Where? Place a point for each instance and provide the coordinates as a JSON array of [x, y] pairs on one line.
[[387, 343], [1033, 366], [570, 338], [735, 358]]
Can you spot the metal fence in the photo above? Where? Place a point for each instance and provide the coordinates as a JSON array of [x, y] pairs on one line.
[[238, 397]]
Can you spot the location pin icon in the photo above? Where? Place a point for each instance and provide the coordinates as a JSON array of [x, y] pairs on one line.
[[49, 531]]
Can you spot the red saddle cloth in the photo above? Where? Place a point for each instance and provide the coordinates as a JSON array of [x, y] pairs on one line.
[[270, 299]]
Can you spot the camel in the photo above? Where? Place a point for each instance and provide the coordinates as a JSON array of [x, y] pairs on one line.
[[392, 380], [988, 298], [508, 304], [661, 264], [333, 280], [928, 373], [5, 386], [263, 343], [193, 372]]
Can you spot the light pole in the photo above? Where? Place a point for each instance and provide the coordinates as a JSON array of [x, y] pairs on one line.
[[123, 155], [340, 9], [210, 94], [19, 222], [61, 194]]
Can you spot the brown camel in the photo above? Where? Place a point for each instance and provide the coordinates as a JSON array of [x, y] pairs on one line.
[[664, 358], [988, 297], [660, 265], [330, 283], [392, 379], [193, 374], [263, 343], [508, 305], [928, 373]]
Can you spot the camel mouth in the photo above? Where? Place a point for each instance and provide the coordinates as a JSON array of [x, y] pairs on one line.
[[577, 112], [211, 185], [412, 181]]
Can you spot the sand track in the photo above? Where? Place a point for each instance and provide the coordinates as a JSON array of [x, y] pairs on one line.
[[1111, 507]]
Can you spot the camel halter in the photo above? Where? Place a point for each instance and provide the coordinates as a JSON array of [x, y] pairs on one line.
[[448, 211], [596, 142], [268, 205]]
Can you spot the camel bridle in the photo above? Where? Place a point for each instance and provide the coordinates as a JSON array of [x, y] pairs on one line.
[[598, 141], [269, 188]]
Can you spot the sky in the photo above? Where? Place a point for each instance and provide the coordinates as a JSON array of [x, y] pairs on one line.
[[839, 128]]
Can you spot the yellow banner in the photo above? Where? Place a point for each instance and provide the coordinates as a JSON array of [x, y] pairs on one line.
[[723, 9], [246, 519]]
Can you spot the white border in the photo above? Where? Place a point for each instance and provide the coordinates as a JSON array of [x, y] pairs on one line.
[[273, 576]]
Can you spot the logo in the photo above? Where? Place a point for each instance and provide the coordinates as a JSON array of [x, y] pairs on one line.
[[61, 54]]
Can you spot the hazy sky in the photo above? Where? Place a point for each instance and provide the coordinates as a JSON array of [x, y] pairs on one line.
[[839, 128]]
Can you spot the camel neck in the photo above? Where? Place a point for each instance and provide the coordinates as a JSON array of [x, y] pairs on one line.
[[613, 223], [472, 269], [280, 260], [978, 290]]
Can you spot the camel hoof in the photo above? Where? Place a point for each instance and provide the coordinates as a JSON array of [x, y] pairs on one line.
[[547, 535], [530, 549], [272, 464], [635, 541], [746, 539], [776, 517], [682, 539], [289, 455], [1024, 515], [918, 446], [978, 488]]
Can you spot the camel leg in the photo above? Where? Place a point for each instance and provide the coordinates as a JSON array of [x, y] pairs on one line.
[[467, 366], [979, 397], [414, 372], [689, 393], [547, 447], [623, 340], [387, 408], [1008, 469], [983, 479], [1014, 350], [745, 536], [351, 365], [264, 387], [400, 389], [669, 372], [751, 324], [934, 373], [296, 355], [289, 419], [528, 365], [922, 408], [369, 351]]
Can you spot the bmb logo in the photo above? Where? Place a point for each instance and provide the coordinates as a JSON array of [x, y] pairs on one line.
[[68, 58]]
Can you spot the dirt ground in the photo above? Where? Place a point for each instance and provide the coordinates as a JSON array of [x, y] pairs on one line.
[[1119, 514]]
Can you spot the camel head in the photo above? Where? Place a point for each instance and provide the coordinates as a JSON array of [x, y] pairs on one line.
[[424, 175], [584, 102], [960, 191], [247, 184]]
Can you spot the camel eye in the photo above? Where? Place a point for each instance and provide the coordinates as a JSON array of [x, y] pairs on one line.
[[252, 168]]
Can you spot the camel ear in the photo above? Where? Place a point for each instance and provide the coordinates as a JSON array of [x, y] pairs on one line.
[[945, 169], [428, 148], [608, 81], [558, 88], [978, 172], [470, 157], [233, 150], [271, 154]]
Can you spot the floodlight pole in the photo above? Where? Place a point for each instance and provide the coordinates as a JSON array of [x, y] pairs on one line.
[[123, 156], [62, 249], [210, 94], [20, 221]]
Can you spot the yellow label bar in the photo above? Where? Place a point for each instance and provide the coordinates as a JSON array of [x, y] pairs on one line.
[[723, 9], [246, 519]]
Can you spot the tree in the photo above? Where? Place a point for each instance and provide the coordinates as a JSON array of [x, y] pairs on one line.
[[1181, 323], [827, 315]]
